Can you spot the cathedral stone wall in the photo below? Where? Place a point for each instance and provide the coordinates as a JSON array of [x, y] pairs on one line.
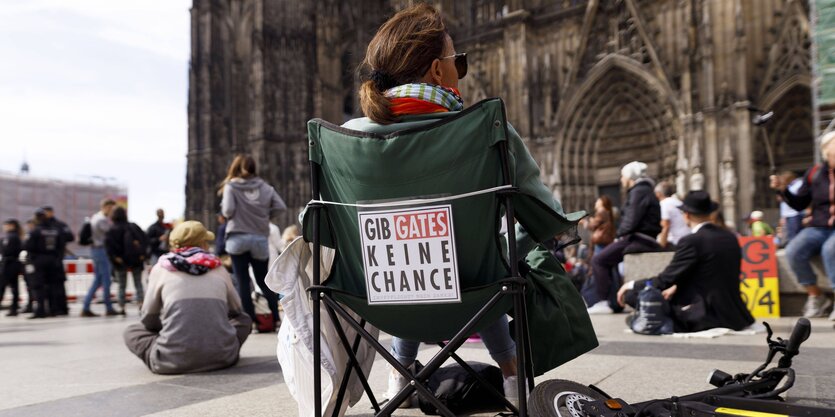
[[590, 85]]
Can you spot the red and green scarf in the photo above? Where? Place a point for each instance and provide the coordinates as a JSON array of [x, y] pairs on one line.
[[422, 98]]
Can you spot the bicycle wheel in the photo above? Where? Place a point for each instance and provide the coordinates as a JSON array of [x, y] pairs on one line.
[[560, 398]]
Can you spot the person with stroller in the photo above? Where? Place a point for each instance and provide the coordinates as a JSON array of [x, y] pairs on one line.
[[815, 192], [640, 224], [247, 203], [410, 78]]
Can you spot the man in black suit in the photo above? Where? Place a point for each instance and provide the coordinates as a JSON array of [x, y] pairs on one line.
[[702, 280]]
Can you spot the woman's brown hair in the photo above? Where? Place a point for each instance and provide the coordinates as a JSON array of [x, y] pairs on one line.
[[243, 166], [401, 52]]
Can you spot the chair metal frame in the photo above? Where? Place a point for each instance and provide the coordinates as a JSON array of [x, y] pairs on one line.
[[512, 286]]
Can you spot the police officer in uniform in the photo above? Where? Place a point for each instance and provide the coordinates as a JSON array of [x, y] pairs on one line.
[[10, 247], [60, 292], [45, 247]]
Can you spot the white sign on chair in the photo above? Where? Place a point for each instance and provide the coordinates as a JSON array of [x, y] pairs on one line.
[[409, 255]]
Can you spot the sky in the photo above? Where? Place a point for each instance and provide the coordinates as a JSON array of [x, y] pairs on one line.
[[98, 88]]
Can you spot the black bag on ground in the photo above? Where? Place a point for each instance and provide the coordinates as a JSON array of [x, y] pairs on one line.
[[459, 391], [85, 235]]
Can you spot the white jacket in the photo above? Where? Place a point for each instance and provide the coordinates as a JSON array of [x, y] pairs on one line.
[[290, 275]]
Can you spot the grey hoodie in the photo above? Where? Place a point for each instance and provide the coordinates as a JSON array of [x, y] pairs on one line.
[[247, 204]]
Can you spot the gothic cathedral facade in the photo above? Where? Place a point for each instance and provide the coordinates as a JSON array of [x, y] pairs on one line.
[[590, 85]]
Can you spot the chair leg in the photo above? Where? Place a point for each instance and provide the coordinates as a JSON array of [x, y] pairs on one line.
[[521, 353], [352, 364]]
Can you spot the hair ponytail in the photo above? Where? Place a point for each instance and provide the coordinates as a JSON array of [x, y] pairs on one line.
[[401, 52]]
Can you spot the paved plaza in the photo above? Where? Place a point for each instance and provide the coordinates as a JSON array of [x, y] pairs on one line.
[[80, 367]]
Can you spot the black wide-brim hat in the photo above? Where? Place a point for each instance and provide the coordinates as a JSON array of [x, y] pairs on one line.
[[698, 202]]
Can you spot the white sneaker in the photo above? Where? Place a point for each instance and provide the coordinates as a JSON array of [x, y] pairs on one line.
[[601, 307], [511, 390], [816, 306], [396, 384]]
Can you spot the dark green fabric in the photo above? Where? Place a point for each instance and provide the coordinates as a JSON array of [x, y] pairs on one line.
[[434, 322], [444, 154], [559, 326]]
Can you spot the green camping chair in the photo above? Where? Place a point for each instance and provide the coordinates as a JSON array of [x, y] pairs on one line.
[[459, 165]]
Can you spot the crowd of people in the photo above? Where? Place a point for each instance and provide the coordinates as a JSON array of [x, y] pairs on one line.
[[653, 218]]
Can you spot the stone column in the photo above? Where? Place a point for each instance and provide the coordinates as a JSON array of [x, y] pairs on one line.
[[516, 59]]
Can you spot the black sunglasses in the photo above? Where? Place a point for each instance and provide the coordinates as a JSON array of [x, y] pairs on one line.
[[460, 63]]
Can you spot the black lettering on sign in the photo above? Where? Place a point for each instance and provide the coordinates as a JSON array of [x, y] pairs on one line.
[[760, 276], [766, 300], [448, 278], [406, 252], [370, 231], [372, 261], [432, 279], [424, 253], [755, 255], [388, 277], [420, 280], [390, 253], [404, 282], [374, 282], [385, 229], [445, 250]]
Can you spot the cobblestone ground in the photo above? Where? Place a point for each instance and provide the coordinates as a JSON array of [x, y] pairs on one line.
[[80, 367]]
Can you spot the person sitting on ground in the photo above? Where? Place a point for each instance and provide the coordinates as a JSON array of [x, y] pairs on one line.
[[191, 320], [758, 226], [702, 280], [640, 224], [673, 226], [819, 236]]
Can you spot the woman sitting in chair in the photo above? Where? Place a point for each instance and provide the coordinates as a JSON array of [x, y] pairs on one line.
[[411, 68]]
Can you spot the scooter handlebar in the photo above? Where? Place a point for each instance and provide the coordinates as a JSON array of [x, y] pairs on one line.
[[801, 332]]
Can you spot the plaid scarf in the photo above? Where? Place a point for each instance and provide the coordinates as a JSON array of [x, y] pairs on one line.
[[191, 260], [420, 98]]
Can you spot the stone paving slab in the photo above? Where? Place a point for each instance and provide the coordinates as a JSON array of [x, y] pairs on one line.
[[80, 367]]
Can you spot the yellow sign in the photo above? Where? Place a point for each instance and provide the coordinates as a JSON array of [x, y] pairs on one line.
[[758, 282]]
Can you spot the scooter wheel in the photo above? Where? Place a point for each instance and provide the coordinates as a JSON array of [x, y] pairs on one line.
[[560, 398]]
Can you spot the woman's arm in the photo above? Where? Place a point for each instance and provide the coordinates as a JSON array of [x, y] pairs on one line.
[[227, 202]]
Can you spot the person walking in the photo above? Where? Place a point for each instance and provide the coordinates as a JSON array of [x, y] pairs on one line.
[[247, 203], [127, 247], [818, 192], [640, 224], [10, 248], [100, 224], [45, 248]]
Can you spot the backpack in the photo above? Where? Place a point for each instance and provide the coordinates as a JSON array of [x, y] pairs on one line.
[[85, 235], [461, 392], [135, 245]]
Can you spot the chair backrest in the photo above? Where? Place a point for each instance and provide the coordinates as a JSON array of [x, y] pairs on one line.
[[455, 155]]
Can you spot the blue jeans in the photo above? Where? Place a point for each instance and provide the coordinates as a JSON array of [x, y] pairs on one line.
[[808, 243], [240, 243], [793, 226], [496, 338], [101, 269]]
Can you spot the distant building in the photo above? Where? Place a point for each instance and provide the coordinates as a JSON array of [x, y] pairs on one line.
[[21, 195]]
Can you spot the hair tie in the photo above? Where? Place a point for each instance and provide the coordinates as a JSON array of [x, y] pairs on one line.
[[382, 80]]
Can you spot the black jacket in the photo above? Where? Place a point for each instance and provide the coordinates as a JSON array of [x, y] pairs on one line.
[[116, 241], [815, 191], [46, 239], [11, 247], [642, 212], [154, 232], [706, 269]]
